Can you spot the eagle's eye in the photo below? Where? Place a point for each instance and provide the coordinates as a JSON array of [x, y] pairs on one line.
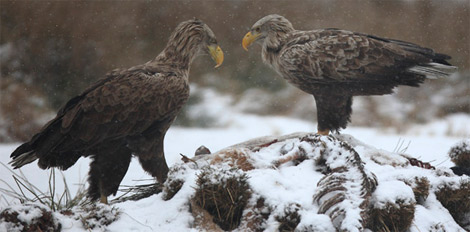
[[258, 29]]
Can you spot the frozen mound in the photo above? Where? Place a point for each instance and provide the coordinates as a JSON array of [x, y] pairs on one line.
[[28, 217], [306, 182], [297, 182], [460, 155], [38, 217]]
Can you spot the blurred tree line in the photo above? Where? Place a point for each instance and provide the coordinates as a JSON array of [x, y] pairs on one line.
[[52, 50]]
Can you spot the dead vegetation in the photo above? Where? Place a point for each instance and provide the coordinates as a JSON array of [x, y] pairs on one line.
[[172, 188], [174, 182], [97, 216], [394, 217], [257, 213], [456, 198], [223, 194], [420, 186], [37, 217], [40, 219], [289, 219], [460, 154]]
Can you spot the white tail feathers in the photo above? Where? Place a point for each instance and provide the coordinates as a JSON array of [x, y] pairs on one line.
[[434, 70], [23, 159]]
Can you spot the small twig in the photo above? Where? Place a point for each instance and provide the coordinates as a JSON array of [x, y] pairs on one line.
[[230, 194], [216, 205], [185, 159]]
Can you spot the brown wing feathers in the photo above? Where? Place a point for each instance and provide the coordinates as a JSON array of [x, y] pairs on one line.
[[414, 48], [339, 56]]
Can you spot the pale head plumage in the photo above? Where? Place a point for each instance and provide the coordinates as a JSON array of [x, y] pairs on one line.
[[273, 23], [269, 32]]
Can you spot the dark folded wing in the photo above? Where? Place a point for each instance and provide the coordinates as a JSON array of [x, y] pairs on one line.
[[122, 106]]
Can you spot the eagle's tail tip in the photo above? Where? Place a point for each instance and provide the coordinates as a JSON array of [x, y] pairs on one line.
[[23, 159], [23, 155], [434, 70]]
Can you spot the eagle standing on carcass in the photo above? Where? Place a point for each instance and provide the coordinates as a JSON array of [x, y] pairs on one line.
[[128, 112], [334, 65]]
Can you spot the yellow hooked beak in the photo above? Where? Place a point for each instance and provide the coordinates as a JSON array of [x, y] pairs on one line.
[[249, 39], [217, 54]]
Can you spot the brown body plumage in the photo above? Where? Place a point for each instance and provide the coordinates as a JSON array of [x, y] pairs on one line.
[[334, 65], [128, 112]]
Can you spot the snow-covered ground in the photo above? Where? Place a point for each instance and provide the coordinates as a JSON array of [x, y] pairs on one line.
[[428, 143]]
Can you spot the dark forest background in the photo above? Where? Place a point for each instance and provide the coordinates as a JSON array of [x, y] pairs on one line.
[[51, 50]]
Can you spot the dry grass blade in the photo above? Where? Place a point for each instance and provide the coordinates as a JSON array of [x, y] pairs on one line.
[[19, 183], [399, 148], [52, 189], [25, 189]]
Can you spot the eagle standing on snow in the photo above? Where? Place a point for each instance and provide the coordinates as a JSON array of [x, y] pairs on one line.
[[335, 65], [128, 112]]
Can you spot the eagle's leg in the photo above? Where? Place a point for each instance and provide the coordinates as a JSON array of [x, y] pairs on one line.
[[152, 158], [333, 111], [323, 132], [148, 146], [155, 165], [107, 171], [104, 199]]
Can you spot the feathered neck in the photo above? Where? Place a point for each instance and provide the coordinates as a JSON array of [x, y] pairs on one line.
[[183, 46], [274, 41]]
